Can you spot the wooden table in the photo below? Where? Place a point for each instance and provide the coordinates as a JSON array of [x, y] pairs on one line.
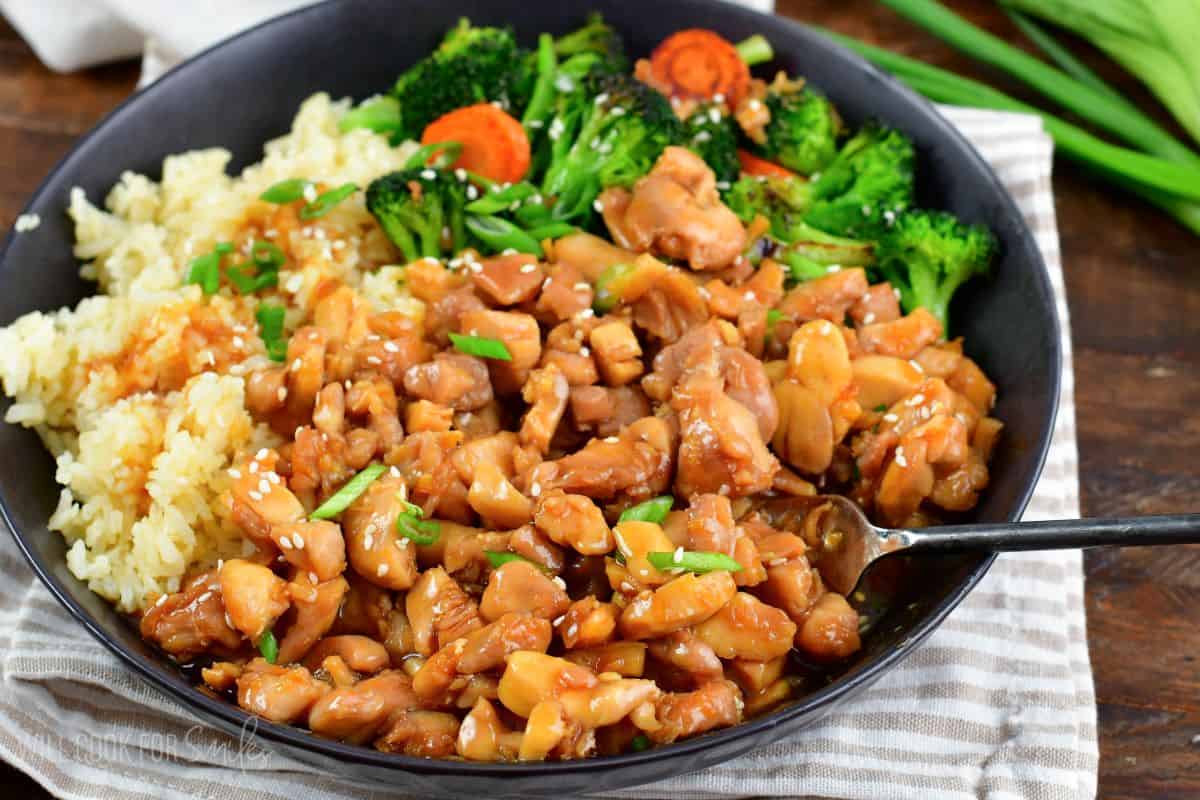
[[1133, 283]]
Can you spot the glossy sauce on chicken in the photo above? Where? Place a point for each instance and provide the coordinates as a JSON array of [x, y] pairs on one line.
[[527, 616]]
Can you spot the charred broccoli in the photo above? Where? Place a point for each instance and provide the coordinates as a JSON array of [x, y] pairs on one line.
[[607, 135], [712, 135], [421, 210], [471, 65], [804, 128], [927, 255]]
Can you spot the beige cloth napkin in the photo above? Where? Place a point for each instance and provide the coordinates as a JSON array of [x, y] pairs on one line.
[[997, 704]]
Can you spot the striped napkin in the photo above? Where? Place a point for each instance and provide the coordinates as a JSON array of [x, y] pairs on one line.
[[997, 704]]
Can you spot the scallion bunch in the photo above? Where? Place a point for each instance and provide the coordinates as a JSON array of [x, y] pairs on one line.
[[1149, 37]]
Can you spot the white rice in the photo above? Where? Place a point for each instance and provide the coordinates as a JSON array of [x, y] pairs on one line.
[[141, 453]]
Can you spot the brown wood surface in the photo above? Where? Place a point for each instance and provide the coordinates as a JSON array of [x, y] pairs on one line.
[[1133, 282]]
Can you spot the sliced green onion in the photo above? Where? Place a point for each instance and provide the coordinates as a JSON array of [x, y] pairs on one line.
[[270, 328], [639, 743], [692, 561], [205, 270], [500, 235], [446, 154], [340, 500], [246, 283], [655, 510], [552, 230], [417, 530], [327, 200], [608, 287], [879, 409], [287, 191], [498, 558], [755, 50], [266, 255], [380, 114], [492, 202], [268, 647], [481, 346]]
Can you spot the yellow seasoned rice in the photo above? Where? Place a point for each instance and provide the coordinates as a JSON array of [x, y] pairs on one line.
[[141, 472]]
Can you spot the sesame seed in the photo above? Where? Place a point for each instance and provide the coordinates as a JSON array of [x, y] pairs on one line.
[[383, 570], [368, 542], [253, 467], [312, 577], [472, 192], [264, 486], [584, 351], [234, 473], [298, 540], [535, 489], [255, 496], [528, 268], [678, 557], [460, 174], [901, 460], [868, 317], [558, 620], [428, 174], [285, 542], [612, 440], [890, 418], [281, 394], [274, 478], [296, 365], [596, 204], [582, 286]]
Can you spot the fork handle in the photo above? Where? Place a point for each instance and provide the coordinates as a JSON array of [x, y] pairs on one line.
[[1059, 534]]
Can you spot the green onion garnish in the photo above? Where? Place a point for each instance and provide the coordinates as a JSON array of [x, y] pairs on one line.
[[379, 114], [692, 561], [268, 647], [481, 346], [205, 270], [287, 191], [879, 409], [639, 743], [552, 230], [270, 328], [249, 284], [655, 510], [499, 235], [492, 202], [417, 530], [327, 200], [499, 559], [266, 255], [446, 154], [340, 500], [608, 287]]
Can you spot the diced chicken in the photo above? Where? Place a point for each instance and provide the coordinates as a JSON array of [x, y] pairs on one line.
[[192, 621], [675, 211], [456, 380], [278, 693], [508, 279], [519, 586]]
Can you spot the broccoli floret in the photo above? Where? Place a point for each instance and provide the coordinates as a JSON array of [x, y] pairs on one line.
[[608, 134], [471, 65], [596, 38], [863, 189], [420, 210], [804, 128], [712, 135], [927, 255], [783, 201]]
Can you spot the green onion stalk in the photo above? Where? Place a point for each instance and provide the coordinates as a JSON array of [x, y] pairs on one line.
[[1120, 119], [1169, 185]]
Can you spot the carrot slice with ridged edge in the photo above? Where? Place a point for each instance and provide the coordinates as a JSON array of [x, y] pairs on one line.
[[700, 64], [494, 144]]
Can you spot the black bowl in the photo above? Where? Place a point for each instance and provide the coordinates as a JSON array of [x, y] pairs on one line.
[[245, 91]]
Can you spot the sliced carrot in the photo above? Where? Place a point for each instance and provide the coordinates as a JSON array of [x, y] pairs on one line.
[[760, 167], [494, 144], [700, 64]]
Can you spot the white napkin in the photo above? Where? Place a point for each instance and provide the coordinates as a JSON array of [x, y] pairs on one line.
[[70, 34]]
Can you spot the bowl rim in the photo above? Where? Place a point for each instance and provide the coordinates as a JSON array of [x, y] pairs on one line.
[[222, 714]]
